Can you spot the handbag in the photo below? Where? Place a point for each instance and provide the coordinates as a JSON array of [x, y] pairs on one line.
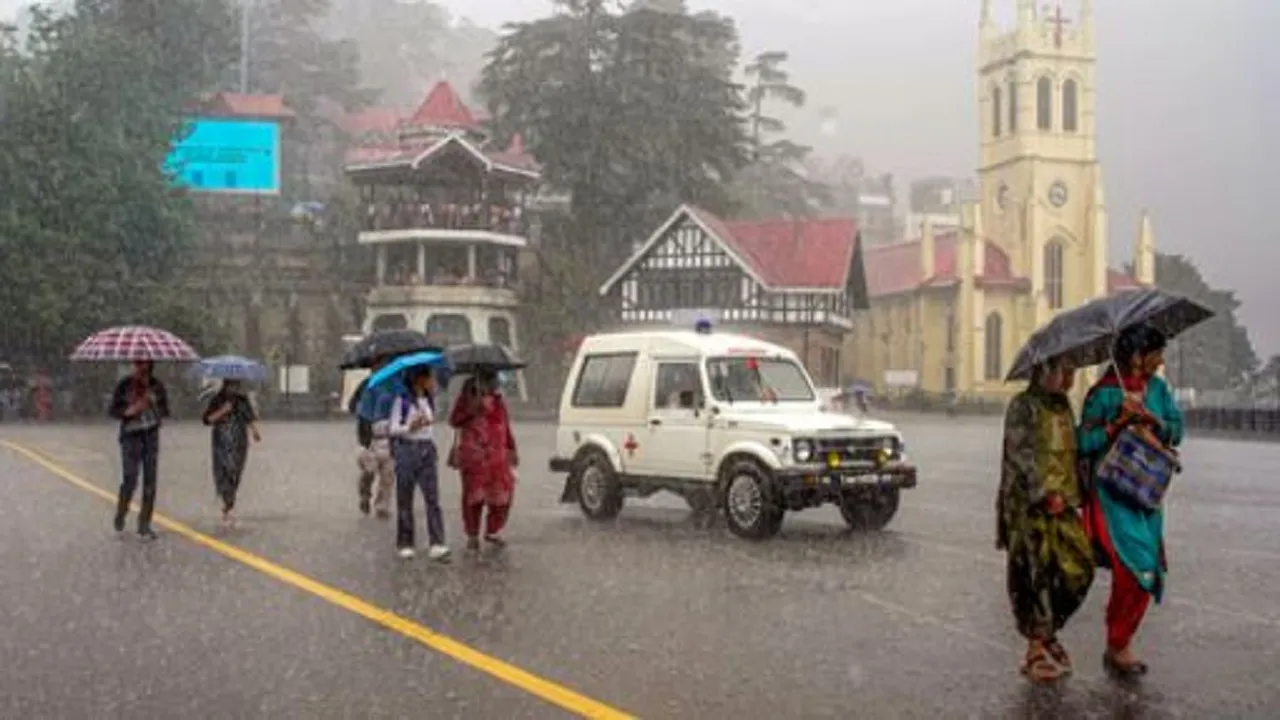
[[1138, 468], [452, 459]]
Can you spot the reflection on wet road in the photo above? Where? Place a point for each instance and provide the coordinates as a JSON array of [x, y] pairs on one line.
[[653, 614]]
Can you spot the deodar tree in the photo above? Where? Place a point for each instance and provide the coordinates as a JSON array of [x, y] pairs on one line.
[[1217, 355], [776, 182], [630, 113]]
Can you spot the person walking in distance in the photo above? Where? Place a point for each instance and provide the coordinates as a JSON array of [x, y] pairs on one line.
[[141, 404], [233, 422], [484, 453], [377, 467], [417, 463]]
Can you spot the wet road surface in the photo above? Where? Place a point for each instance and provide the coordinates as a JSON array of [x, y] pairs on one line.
[[652, 615]]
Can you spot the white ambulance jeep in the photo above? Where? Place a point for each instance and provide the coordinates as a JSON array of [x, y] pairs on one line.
[[727, 422]]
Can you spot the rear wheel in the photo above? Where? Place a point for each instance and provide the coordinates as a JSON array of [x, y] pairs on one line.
[[870, 509], [599, 493], [750, 501]]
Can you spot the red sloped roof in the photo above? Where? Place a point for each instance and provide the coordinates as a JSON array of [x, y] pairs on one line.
[[254, 106], [1118, 281], [896, 268], [443, 108], [782, 254], [797, 253], [515, 156]]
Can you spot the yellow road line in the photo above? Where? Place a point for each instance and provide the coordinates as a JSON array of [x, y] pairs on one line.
[[541, 688]]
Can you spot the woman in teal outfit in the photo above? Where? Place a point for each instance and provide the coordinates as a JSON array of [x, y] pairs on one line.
[[1130, 539]]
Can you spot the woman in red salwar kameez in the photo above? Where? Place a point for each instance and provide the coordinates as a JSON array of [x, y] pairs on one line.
[[484, 453]]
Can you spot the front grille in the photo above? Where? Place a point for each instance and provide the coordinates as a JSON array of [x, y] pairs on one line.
[[853, 449]]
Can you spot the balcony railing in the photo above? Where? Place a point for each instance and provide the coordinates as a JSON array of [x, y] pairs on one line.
[[415, 216], [494, 280]]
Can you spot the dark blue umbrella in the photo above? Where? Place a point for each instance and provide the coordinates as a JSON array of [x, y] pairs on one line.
[[1086, 335], [231, 367]]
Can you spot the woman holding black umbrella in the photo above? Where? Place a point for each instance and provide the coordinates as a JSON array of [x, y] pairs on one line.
[[485, 455], [1130, 396]]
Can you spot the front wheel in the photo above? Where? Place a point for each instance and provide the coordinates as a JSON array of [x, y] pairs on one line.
[[870, 509], [599, 493], [750, 502]]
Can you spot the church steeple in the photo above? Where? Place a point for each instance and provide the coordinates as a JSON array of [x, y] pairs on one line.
[[1026, 14]]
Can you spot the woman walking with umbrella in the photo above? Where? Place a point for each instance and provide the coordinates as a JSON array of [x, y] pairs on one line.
[[141, 404], [1130, 396], [1050, 564], [484, 454], [411, 428], [232, 421]]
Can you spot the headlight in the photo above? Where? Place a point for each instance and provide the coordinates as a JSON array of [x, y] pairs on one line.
[[802, 450], [890, 449]]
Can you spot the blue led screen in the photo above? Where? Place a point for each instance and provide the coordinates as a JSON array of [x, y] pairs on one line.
[[221, 155]]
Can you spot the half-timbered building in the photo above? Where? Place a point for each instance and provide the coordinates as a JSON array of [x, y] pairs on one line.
[[794, 282]]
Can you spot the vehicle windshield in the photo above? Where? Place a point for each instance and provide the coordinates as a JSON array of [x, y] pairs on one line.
[[752, 379]]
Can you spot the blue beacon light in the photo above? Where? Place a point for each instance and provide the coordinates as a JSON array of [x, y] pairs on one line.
[[702, 326]]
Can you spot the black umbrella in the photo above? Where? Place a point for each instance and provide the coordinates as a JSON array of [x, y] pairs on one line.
[[385, 344], [468, 359], [1086, 334]]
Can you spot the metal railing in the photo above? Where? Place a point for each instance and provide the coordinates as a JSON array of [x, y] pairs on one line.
[[1253, 423]]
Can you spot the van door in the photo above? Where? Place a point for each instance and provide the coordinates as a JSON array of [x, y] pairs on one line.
[[677, 427]]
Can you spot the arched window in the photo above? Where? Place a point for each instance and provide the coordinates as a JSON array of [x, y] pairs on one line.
[[997, 112], [1053, 273], [1044, 104], [994, 339], [1013, 105], [1070, 100]]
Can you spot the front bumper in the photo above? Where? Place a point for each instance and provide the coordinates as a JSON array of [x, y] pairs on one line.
[[836, 481], [561, 465]]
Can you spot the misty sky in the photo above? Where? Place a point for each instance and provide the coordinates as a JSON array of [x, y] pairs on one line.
[[1186, 99]]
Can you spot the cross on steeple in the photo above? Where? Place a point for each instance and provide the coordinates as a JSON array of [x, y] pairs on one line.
[[1058, 21]]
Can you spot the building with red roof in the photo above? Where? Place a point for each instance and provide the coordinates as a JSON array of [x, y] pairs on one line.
[[794, 282], [445, 213]]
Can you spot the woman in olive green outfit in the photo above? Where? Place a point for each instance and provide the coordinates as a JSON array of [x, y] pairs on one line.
[[1038, 523]]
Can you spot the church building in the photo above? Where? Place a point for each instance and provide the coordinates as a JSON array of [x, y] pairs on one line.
[[949, 310]]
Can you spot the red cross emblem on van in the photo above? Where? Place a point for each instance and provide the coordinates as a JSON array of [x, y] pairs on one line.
[[630, 445]]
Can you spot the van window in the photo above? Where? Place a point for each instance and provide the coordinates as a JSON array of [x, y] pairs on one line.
[[677, 385], [738, 379], [604, 380]]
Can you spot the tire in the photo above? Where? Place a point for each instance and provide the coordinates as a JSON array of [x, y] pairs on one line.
[[870, 510], [750, 501], [599, 493]]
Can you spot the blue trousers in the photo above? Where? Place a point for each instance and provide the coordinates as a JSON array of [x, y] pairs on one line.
[[417, 465]]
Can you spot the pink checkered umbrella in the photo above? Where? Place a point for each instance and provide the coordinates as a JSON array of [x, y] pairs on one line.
[[134, 342]]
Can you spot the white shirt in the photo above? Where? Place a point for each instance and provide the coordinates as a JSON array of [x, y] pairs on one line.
[[404, 412]]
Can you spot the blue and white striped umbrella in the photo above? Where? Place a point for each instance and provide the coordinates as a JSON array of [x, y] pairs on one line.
[[231, 367]]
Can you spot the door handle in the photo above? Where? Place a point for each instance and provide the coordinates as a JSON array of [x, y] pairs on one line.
[[655, 421]]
